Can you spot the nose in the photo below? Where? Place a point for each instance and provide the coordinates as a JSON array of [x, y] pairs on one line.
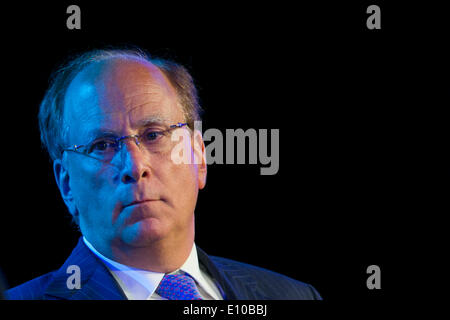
[[134, 163]]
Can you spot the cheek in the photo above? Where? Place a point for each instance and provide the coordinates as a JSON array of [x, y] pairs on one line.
[[90, 188], [183, 183]]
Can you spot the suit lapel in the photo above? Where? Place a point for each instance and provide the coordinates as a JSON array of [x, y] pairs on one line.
[[234, 284], [97, 283]]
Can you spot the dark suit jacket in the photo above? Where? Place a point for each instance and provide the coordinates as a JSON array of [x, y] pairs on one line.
[[237, 281]]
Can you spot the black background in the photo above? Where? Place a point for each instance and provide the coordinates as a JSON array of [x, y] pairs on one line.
[[345, 99]]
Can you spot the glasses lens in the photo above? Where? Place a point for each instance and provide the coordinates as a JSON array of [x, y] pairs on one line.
[[155, 140], [103, 148]]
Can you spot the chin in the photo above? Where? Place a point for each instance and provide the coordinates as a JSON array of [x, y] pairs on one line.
[[144, 232]]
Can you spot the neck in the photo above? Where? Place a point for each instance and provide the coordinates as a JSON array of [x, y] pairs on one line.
[[163, 255]]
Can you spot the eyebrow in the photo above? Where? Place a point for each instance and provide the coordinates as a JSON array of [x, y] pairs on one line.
[[148, 121], [143, 123]]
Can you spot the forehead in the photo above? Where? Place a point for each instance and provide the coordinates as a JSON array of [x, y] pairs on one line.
[[119, 94]]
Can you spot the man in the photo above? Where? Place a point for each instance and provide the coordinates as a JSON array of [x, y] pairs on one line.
[[108, 122]]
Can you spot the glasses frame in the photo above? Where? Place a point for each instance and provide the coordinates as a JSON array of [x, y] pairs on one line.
[[75, 148]]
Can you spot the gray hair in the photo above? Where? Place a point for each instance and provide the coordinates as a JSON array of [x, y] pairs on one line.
[[51, 112]]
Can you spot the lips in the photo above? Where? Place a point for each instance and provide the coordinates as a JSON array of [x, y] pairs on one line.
[[137, 202]]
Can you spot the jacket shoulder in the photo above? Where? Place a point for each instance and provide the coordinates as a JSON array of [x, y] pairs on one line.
[[30, 290], [274, 285]]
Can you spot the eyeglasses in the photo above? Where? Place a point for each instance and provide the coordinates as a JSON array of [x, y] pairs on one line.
[[105, 148]]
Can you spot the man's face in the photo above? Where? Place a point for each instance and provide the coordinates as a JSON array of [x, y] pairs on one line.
[[126, 97]]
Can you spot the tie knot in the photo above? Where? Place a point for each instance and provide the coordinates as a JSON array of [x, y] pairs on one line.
[[178, 287]]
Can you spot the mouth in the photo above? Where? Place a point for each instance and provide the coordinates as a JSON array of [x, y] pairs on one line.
[[138, 213], [139, 202]]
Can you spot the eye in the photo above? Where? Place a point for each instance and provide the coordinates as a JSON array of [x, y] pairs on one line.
[[152, 135], [102, 146]]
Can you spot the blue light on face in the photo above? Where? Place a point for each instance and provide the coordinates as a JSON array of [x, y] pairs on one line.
[[85, 90]]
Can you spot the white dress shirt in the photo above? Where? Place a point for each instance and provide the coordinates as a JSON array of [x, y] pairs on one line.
[[138, 284]]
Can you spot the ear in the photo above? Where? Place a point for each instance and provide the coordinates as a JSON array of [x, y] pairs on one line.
[[200, 158], [63, 181]]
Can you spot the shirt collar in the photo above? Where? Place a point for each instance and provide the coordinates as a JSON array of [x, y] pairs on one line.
[[141, 284]]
